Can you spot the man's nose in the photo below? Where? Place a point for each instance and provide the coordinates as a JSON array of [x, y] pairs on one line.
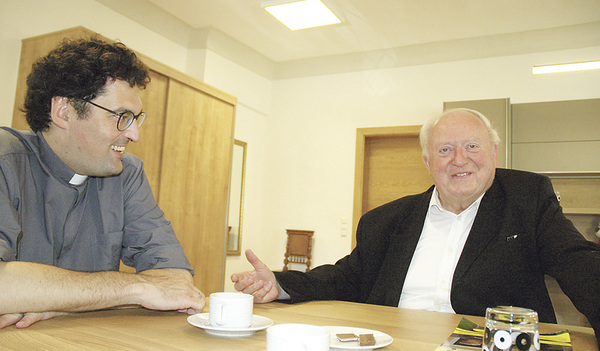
[[133, 132], [460, 157]]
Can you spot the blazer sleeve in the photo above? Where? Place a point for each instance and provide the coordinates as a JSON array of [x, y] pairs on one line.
[[339, 281], [568, 257]]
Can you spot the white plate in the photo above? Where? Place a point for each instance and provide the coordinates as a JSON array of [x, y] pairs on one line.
[[381, 339], [201, 320]]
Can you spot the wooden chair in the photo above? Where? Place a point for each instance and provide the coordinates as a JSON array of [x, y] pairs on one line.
[[299, 246]]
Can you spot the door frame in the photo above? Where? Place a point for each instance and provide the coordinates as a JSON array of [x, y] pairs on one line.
[[362, 135]]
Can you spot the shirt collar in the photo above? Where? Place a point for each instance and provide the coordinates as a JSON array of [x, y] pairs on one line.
[[435, 202], [77, 179], [56, 166]]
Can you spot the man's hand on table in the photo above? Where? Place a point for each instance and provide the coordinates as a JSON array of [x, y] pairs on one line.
[[260, 282], [33, 292], [24, 320], [171, 289]]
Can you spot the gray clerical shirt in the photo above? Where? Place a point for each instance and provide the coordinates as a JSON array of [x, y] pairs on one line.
[[86, 227]]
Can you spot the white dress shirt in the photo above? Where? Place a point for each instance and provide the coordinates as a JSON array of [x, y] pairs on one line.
[[429, 278]]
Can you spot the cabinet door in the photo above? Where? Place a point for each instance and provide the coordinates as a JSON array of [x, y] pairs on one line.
[[195, 176], [149, 147], [556, 136]]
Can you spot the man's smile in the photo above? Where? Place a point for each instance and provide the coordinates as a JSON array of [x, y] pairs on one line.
[[464, 174], [117, 148]]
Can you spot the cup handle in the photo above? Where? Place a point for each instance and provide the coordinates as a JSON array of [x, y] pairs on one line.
[[220, 319]]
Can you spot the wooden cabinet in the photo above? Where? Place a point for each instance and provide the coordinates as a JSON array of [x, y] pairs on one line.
[[186, 144], [561, 139], [556, 136], [195, 178]]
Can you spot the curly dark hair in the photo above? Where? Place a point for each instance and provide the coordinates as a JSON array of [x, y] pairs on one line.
[[78, 70]]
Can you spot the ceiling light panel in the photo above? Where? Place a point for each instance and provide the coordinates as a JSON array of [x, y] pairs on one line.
[[566, 67], [301, 14]]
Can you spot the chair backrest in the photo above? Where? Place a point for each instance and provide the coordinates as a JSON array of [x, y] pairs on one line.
[[298, 248]]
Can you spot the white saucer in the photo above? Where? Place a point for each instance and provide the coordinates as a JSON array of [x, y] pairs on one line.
[[201, 320], [381, 339]]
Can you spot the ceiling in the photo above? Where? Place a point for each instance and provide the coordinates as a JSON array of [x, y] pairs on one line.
[[371, 25]]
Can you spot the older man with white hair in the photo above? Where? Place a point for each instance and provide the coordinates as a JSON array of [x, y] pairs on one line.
[[482, 236]]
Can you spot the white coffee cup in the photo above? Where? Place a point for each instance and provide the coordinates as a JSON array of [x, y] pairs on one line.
[[297, 337], [230, 310]]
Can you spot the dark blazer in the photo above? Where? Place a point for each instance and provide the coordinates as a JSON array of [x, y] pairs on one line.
[[519, 234]]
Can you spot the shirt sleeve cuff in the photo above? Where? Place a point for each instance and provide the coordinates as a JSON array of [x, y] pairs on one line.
[[283, 295]]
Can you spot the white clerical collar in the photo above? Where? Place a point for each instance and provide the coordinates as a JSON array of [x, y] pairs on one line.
[[77, 179]]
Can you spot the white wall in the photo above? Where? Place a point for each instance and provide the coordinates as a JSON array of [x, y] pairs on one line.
[[301, 132]]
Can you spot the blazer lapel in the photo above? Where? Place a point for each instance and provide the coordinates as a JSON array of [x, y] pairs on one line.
[[485, 228], [403, 243]]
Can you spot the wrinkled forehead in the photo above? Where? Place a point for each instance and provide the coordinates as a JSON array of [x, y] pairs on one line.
[[459, 125]]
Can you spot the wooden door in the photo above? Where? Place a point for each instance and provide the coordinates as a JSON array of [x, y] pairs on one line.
[[195, 178], [149, 147], [389, 165]]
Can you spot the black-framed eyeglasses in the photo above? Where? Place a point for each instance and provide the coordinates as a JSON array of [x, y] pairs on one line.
[[125, 118]]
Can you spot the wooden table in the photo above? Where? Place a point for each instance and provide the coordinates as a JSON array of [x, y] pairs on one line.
[[140, 329]]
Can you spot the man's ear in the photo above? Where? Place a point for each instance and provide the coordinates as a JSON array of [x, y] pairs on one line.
[[495, 155], [60, 111], [426, 161]]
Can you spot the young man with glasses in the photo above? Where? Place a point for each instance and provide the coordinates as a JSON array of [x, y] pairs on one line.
[[73, 204]]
